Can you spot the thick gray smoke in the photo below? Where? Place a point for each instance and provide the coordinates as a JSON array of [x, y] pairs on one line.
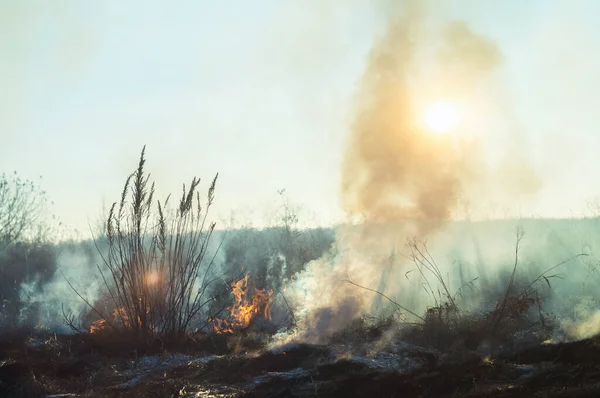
[[400, 180]]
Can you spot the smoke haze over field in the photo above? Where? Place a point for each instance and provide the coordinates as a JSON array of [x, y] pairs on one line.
[[326, 99]]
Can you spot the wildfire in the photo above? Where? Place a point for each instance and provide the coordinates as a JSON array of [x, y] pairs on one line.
[[119, 316], [98, 326], [243, 311]]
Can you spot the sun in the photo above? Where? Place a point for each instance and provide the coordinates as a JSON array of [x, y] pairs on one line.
[[441, 117]]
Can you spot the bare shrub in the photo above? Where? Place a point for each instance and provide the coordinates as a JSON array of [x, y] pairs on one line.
[[27, 256], [25, 268], [517, 309], [159, 275], [22, 205], [426, 265]]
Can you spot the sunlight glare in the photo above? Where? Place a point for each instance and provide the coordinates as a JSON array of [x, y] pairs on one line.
[[152, 278], [441, 117]]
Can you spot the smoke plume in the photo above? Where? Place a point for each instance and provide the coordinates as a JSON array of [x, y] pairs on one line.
[[393, 170], [398, 179]]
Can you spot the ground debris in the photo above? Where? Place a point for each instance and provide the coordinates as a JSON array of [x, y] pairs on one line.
[[62, 396], [301, 370]]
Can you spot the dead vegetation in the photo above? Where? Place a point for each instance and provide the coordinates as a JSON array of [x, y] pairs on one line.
[[169, 325], [448, 351], [514, 317], [376, 357], [22, 205], [157, 273]]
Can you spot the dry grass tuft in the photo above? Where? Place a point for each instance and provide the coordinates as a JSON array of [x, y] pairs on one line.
[[157, 272]]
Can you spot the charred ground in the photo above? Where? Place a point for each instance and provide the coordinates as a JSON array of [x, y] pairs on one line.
[[357, 363]]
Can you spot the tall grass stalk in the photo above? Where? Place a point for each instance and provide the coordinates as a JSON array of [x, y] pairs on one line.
[[160, 275]]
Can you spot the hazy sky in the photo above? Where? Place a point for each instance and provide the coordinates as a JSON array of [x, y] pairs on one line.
[[260, 91]]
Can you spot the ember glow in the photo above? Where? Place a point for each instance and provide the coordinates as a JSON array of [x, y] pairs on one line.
[[98, 326], [244, 310], [152, 278], [120, 318]]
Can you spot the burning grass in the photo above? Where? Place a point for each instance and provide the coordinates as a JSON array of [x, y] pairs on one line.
[[449, 350], [157, 274], [378, 357], [168, 324], [244, 310]]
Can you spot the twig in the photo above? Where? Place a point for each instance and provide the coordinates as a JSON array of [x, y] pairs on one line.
[[556, 266], [502, 307], [289, 308], [387, 298], [69, 320], [86, 301]]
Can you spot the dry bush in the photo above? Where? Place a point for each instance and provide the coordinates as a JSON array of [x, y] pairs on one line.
[[25, 267], [516, 311], [22, 205], [446, 325], [159, 275], [26, 257]]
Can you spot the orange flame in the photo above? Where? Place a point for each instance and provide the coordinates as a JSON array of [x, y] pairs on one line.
[[98, 326], [119, 317], [243, 311]]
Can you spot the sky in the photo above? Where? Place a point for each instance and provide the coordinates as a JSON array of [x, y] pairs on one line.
[[261, 92]]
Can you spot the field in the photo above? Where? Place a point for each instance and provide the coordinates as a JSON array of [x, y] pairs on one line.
[[524, 326]]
